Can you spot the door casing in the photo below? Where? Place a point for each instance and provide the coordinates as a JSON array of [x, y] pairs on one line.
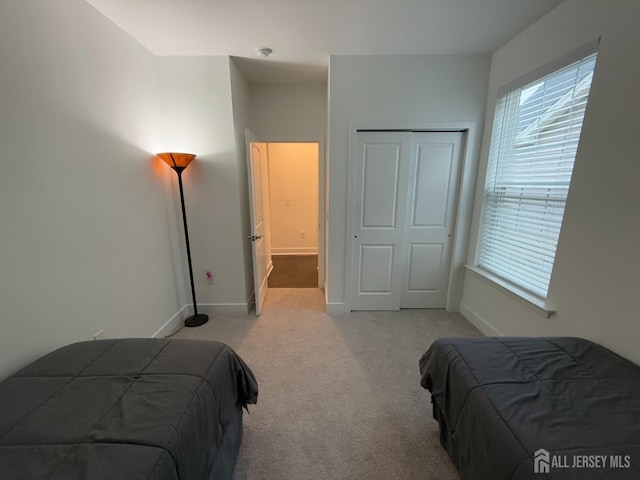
[[464, 200], [256, 209]]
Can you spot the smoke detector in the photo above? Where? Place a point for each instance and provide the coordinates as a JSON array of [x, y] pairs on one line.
[[263, 52]]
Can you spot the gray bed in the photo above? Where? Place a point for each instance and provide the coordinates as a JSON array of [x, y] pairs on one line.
[[499, 401], [126, 409]]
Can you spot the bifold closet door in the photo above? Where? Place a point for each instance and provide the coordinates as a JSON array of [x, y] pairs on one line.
[[404, 208]]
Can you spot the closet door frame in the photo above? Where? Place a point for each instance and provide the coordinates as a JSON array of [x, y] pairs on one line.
[[464, 200]]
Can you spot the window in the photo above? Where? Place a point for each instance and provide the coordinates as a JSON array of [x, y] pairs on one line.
[[535, 137]]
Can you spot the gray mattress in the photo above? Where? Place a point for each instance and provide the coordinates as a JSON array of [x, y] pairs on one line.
[[500, 400], [126, 409]]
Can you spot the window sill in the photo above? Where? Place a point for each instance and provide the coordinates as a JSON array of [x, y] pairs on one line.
[[537, 305]]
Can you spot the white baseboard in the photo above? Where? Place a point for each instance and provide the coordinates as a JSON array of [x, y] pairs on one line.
[[336, 308], [269, 268], [294, 251], [173, 324], [477, 321]]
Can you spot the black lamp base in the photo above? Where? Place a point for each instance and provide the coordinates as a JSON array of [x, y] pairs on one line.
[[196, 320]]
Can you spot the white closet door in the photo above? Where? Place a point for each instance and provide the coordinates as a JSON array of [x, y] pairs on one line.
[[430, 215], [405, 191], [380, 195]]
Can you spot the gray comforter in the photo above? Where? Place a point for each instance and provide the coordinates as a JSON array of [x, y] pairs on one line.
[[126, 409], [499, 401]]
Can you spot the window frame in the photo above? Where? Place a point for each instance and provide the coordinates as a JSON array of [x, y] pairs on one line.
[[529, 297]]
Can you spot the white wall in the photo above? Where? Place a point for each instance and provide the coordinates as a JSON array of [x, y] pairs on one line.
[[85, 243], [388, 91], [595, 285], [240, 98], [293, 197], [295, 113], [196, 101], [289, 113], [93, 239]]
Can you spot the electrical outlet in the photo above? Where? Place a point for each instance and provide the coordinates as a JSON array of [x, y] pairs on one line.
[[287, 203], [303, 235], [99, 335], [209, 276]]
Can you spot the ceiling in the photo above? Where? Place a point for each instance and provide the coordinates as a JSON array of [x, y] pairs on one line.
[[303, 33]]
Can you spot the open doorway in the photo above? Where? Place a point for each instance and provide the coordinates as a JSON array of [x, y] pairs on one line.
[[292, 214]]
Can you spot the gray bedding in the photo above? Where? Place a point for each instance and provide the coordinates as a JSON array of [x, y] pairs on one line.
[[126, 409], [500, 400]]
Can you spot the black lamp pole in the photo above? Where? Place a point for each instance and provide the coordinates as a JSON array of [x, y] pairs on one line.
[[196, 319]]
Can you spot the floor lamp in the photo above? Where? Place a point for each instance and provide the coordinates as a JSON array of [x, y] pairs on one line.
[[178, 162]]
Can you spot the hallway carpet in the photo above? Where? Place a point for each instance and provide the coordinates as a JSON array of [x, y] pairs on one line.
[[340, 396], [294, 271]]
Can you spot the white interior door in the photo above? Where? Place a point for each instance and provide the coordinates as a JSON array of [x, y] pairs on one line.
[[433, 189], [257, 237], [404, 209], [381, 172]]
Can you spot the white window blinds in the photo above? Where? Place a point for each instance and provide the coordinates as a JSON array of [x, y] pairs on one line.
[[534, 141]]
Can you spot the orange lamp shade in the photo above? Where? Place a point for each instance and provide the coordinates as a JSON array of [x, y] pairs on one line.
[[176, 160]]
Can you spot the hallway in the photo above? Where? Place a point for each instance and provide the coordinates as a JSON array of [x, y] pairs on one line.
[[294, 271]]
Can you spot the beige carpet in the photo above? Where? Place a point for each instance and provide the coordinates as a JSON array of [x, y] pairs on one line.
[[339, 395]]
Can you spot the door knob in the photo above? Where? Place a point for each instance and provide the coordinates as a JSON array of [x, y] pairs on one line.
[[253, 238]]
